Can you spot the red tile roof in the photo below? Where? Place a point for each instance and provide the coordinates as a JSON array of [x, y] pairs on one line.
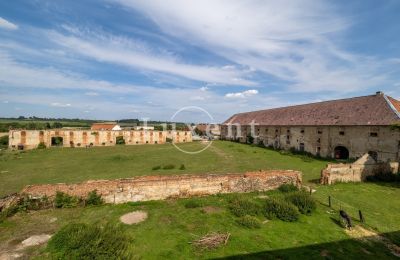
[[103, 126], [366, 110]]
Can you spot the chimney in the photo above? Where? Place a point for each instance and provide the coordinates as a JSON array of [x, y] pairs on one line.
[[379, 93]]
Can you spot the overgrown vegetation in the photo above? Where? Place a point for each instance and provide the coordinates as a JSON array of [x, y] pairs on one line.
[[303, 201], [120, 140], [241, 207], [41, 145], [193, 203], [281, 209], [93, 198], [249, 221], [288, 187], [182, 167], [4, 141], [89, 241], [63, 200], [155, 168], [24, 204]]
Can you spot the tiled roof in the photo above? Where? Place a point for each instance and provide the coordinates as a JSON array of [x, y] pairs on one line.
[[366, 110], [103, 126]]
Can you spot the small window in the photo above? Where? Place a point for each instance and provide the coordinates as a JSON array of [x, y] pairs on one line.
[[266, 130], [147, 142], [78, 144], [137, 142], [103, 143], [319, 140], [373, 134], [287, 141], [341, 133], [302, 131], [319, 132], [301, 147], [374, 155], [288, 131], [318, 151], [155, 142], [287, 137], [276, 130]]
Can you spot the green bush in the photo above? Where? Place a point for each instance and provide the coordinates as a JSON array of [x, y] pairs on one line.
[[93, 198], [281, 209], [89, 241], [193, 203], [249, 222], [4, 141], [182, 167], [288, 187], [242, 207], [64, 200], [303, 201], [41, 145], [168, 167], [155, 168]]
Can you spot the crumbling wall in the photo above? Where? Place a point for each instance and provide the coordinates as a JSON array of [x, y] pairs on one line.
[[163, 187], [30, 139], [357, 171]]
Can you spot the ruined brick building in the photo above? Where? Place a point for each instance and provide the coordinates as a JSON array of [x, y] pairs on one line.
[[30, 139], [346, 128]]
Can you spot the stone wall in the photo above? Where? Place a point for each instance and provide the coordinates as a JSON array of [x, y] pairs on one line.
[[163, 187], [357, 171], [30, 139], [322, 140]]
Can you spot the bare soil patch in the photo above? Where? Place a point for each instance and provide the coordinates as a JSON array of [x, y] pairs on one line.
[[134, 217]]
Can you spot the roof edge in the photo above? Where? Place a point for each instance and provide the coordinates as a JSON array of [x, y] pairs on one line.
[[392, 106]]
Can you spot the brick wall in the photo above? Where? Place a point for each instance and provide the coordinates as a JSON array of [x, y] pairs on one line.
[[164, 187]]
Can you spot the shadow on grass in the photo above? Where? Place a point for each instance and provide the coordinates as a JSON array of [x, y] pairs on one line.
[[344, 249]]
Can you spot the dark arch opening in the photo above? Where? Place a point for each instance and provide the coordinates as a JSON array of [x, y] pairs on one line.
[[57, 141], [341, 153]]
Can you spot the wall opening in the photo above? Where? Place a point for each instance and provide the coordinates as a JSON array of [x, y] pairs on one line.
[[57, 141], [341, 153], [301, 147], [374, 155], [120, 140]]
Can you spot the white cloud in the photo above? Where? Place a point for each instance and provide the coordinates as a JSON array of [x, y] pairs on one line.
[[7, 24], [244, 94], [91, 94], [294, 41], [123, 51], [56, 104]]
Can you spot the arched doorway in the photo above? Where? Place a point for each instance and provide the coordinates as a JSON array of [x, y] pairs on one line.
[[341, 153]]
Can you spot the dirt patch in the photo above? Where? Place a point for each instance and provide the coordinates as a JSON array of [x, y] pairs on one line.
[[134, 217], [366, 235], [211, 209]]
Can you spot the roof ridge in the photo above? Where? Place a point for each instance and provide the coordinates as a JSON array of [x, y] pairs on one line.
[[305, 104]]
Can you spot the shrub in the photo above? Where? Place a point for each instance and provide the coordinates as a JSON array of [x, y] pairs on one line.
[[64, 200], [84, 241], [303, 201], [155, 168], [288, 187], [249, 222], [281, 209], [242, 207], [193, 203], [168, 167], [41, 145], [168, 140], [385, 177], [93, 198], [4, 141], [182, 167]]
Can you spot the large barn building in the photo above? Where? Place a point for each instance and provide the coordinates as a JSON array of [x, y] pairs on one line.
[[341, 129]]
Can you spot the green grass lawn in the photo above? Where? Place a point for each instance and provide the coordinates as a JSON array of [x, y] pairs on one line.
[[74, 165], [171, 227]]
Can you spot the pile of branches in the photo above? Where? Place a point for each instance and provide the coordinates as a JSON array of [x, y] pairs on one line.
[[212, 240]]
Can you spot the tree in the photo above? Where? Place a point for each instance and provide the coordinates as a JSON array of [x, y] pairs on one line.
[[57, 125]]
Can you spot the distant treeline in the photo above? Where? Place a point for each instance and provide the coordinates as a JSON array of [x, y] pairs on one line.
[[40, 123]]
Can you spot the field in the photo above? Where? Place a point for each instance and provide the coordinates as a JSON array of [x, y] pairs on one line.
[[74, 165], [172, 225]]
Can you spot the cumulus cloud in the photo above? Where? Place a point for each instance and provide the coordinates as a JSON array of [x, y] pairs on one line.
[[7, 24], [244, 94]]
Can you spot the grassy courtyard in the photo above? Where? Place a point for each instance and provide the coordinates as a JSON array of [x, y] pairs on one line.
[[172, 226], [55, 165]]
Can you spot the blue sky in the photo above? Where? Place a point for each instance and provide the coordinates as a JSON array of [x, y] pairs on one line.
[[116, 59]]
